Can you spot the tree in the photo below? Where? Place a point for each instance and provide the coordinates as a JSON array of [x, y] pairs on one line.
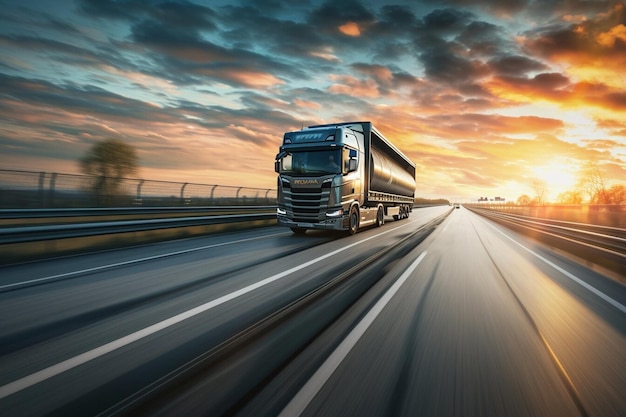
[[570, 197], [593, 182], [539, 186], [523, 200], [108, 162], [616, 194]]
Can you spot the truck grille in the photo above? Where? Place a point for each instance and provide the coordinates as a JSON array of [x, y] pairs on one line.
[[307, 204]]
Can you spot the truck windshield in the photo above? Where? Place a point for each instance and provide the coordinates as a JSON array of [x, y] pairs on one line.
[[312, 162]]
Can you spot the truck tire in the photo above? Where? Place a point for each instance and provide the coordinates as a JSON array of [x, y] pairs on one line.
[[353, 225], [380, 217]]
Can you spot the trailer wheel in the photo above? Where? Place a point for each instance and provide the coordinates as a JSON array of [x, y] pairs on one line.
[[404, 212], [380, 217], [354, 220]]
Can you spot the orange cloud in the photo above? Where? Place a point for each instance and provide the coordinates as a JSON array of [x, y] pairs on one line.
[[248, 78], [607, 39], [352, 86], [306, 104], [350, 29]]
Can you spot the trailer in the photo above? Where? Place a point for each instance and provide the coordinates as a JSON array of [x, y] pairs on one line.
[[341, 176]]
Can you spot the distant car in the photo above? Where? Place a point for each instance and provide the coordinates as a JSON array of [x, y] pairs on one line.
[[457, 205]]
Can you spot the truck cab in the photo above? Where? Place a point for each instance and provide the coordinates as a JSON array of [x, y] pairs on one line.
[[319, 177]]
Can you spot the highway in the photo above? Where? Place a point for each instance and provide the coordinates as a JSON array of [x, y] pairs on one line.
[[442, 314]]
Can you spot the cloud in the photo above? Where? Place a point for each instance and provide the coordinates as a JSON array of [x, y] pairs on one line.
[[515, 65], [350, 29], [597, 44], [332, 14]]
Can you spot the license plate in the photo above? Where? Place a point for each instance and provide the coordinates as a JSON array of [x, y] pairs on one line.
[[305, 224]]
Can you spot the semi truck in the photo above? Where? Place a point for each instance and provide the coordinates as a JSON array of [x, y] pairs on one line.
[[341, 176]]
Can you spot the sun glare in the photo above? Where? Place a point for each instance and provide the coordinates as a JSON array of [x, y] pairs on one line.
[[558, 175]]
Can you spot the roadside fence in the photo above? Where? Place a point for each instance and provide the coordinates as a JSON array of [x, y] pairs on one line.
[[31, 189]]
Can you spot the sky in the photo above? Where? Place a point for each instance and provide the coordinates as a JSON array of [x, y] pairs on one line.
[[487, 98]]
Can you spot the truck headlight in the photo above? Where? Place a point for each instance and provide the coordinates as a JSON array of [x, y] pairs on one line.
[[281, 212], [334, 213]]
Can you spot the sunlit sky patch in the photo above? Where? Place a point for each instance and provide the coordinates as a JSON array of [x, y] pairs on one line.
[[486, 97]]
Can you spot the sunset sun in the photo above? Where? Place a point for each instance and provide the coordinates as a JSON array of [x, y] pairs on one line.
[[559, 175]]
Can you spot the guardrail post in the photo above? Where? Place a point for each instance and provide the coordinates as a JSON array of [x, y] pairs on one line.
[[182, 194], [42, 196], [138, 201], [53, 179]]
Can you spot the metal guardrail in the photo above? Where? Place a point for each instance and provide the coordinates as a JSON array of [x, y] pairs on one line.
[[22, 234], [37, 234], [17, 216], [602, 245]]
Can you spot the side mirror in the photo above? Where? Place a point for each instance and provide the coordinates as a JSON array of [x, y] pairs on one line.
[[352, 165], [277, 166]]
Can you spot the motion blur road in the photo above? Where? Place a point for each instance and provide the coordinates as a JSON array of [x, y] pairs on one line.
[[469, 320]]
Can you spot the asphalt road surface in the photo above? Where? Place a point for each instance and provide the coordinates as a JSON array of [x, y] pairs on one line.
[[469, 320]]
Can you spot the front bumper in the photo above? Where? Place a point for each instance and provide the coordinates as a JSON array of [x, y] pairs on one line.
[[338, 223]]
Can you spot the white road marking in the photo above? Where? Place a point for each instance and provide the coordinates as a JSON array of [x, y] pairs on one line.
[[306, 394], [131, 262], [44, 374], [571, 276]]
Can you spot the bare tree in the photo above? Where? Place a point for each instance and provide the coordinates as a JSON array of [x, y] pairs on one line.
[[593, 183], [108, 162], [540, 188]]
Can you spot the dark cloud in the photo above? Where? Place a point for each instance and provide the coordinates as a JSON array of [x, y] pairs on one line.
[[330, 15], [445, 66], [500, 7], [590, 38], [182, 15], [113, 9], [187, 57], [483, 39], [446, 22], [549, 81], [515, 64], [81, 99], [244, 26], [397, 19], [451, 45]]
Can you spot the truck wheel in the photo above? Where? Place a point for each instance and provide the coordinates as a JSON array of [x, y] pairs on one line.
[[380, 217], [354, 220], [298, 230]]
